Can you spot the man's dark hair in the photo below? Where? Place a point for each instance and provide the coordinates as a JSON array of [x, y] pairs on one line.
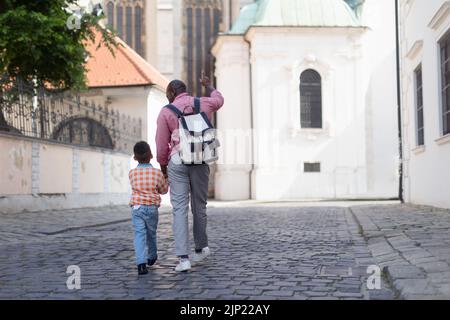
[[141, 151], [178, 86]]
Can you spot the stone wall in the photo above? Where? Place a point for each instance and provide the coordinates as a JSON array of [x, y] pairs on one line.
[[41, 175]]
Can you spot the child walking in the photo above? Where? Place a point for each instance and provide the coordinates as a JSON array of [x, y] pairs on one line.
[[147, 183]]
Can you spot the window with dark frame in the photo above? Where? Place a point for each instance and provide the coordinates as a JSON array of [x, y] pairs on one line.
[[119, 21], [207, 40], [199, 49], [138, 29], [445, 82], [128, 23], [310, 99], [420, 131], [129, 27], [190, 47], [311, 167], [110, 10], [202, 23]]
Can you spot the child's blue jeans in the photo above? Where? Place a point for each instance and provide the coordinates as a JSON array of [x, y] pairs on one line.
[[145, 223]]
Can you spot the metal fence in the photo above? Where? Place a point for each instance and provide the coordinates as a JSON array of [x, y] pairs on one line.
[[66, 118]]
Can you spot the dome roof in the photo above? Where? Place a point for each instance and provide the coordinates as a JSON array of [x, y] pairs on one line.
[[295, 13]]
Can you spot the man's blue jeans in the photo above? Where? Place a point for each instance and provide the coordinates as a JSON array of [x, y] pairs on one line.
[[145, 223]]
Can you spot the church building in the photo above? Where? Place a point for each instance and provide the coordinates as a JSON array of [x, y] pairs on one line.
[[310, 109]]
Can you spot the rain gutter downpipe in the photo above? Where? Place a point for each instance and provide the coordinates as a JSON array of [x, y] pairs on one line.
[[251, 113], [399, 108]]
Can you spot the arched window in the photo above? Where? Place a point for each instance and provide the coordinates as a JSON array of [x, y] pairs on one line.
[[138, 29], [129, 27], [310, 99], [120, 21], [83, 131], [110, 13]]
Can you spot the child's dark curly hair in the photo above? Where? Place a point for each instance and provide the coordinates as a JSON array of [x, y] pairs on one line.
[[142, 151]]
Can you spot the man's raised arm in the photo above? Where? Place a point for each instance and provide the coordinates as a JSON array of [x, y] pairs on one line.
[[214, 99]]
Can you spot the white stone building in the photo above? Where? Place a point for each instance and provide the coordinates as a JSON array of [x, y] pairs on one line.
[[310, 109], [425, 92]]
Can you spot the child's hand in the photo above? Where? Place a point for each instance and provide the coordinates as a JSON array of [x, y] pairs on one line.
[[163, 185], [164, 171]]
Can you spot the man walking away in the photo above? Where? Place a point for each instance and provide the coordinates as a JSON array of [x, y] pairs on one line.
[[185, 180]]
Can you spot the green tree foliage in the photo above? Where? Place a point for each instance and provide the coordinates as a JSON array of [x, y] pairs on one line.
[[37, 45]]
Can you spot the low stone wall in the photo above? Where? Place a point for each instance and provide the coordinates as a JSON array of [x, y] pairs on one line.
[[39, 175]]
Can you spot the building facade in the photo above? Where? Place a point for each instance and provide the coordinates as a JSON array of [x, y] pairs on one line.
[[135, 23], [68, 151], [174, 35], [425, 91], [310, 110], [186, 31]]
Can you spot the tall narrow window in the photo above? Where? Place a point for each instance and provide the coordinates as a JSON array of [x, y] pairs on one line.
[[310, 99], [445, 76], [138, 29], [120, 21], [190, 48], [110, 13], [202, 20], [199, 49], [129, 27], [217, 14], [419, 106], [207, 40]]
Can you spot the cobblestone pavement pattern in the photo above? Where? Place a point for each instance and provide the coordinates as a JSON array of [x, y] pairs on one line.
[[259, 252]]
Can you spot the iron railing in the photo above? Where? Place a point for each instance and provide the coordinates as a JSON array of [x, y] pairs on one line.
[[65, 117]]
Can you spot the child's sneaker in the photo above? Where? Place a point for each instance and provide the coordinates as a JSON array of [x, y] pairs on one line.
[[142, 269], [200, 256], [183, 265], [151, 262]]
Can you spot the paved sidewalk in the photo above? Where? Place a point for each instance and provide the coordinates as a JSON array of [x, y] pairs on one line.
[[260, 251], [30, 226], [412, 244]]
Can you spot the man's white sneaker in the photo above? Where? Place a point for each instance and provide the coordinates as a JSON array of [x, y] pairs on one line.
[[183, 265], [198, 257]]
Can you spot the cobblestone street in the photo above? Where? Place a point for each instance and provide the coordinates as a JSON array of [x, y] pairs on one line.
[[260, 251]]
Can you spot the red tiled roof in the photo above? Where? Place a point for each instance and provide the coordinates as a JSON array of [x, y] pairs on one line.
[[126, 68]]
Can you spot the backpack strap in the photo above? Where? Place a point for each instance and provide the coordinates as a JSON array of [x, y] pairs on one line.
[[175, 110], [196, 105]]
